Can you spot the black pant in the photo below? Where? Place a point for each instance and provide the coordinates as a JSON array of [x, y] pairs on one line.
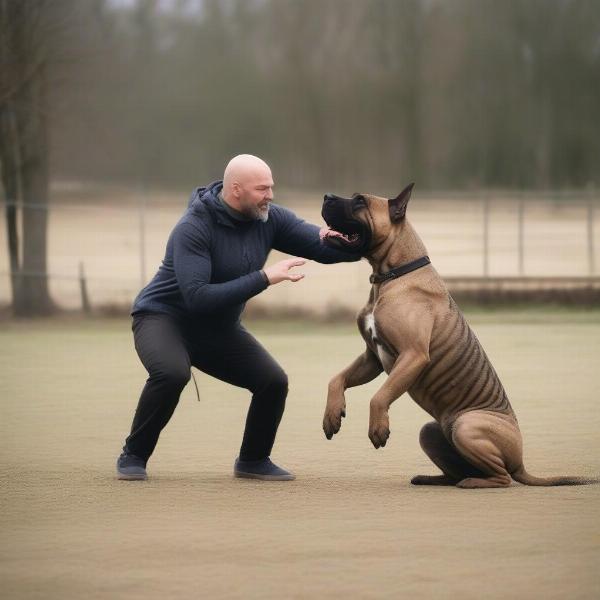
[[230, 354]]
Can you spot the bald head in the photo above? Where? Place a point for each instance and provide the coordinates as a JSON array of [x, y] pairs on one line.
[[248, 186], [244, 167]]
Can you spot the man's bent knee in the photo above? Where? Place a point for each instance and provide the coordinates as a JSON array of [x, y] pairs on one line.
[[276, 383], [171, 376]]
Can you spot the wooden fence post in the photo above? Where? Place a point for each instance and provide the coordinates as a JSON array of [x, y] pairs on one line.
[[85, 300], [486, 235], [521, 213], [590, 234]]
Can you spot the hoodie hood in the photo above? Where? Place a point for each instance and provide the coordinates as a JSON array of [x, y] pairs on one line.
[[204, 194], [206, 198]]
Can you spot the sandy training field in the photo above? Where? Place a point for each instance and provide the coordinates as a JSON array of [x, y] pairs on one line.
[[351, 525]]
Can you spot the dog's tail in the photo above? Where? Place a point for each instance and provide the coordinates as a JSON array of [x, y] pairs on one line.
[[522, 476]]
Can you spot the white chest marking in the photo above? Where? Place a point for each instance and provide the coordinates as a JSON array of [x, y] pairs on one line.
[[386, 359]]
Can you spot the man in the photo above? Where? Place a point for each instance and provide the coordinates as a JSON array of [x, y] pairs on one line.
[[189, 314]]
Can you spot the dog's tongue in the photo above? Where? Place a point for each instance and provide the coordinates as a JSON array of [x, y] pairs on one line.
[[327, 232]]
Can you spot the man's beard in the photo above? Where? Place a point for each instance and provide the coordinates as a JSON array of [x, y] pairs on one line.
[[259, 214]]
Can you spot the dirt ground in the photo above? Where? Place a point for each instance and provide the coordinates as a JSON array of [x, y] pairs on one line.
[[351, 525]]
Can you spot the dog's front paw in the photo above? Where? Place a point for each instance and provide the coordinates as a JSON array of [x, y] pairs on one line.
[[332, 421], [379, 426]]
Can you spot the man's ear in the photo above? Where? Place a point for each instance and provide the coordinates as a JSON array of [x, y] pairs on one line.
[[397, 205]]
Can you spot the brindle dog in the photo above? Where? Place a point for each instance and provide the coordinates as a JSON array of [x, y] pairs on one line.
[[416, 333]]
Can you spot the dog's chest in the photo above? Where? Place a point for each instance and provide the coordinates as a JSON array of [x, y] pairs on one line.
[[376, 343]]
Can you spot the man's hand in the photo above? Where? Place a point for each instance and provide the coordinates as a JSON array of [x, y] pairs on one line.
[[281, 271]]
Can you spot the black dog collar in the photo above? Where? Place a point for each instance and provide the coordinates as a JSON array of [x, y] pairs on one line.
[[401, 270]]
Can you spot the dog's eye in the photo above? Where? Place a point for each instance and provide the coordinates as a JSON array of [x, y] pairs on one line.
[[358, 201]]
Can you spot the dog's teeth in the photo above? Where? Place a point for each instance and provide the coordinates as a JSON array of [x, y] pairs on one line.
[[349, 238]]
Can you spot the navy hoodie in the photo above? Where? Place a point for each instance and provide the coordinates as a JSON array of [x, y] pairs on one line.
[[213, 262]]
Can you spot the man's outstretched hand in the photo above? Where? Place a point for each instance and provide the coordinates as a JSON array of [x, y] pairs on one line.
[[281, 271]]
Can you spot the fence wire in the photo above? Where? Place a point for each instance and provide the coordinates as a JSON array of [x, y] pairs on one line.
[[116, 241]]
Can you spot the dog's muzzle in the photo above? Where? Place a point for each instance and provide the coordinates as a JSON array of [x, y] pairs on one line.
[[346, 231]]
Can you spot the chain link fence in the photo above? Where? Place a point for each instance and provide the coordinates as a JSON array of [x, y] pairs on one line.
[[103, 246]]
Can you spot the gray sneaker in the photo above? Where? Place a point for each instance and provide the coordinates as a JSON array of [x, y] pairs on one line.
[[131, 467], [261, 469]]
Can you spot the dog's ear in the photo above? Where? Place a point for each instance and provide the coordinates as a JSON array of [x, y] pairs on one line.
[[397, 205]]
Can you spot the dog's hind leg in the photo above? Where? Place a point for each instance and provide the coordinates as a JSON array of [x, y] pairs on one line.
[[444, 456], [491, 442]]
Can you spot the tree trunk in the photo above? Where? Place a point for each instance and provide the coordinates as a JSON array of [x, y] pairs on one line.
[[25, 36], [35, 297], [9, 161]]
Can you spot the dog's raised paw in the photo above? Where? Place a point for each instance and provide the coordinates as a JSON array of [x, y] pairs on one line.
[[379, 437], [332, 424]]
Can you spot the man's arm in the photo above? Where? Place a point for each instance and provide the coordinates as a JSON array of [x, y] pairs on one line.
[[192, 264], [299, 238]]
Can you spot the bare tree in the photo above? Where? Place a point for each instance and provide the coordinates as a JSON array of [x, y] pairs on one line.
[[25, 28]]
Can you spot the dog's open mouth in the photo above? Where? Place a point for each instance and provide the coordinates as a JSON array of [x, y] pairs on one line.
[[336, 238]]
